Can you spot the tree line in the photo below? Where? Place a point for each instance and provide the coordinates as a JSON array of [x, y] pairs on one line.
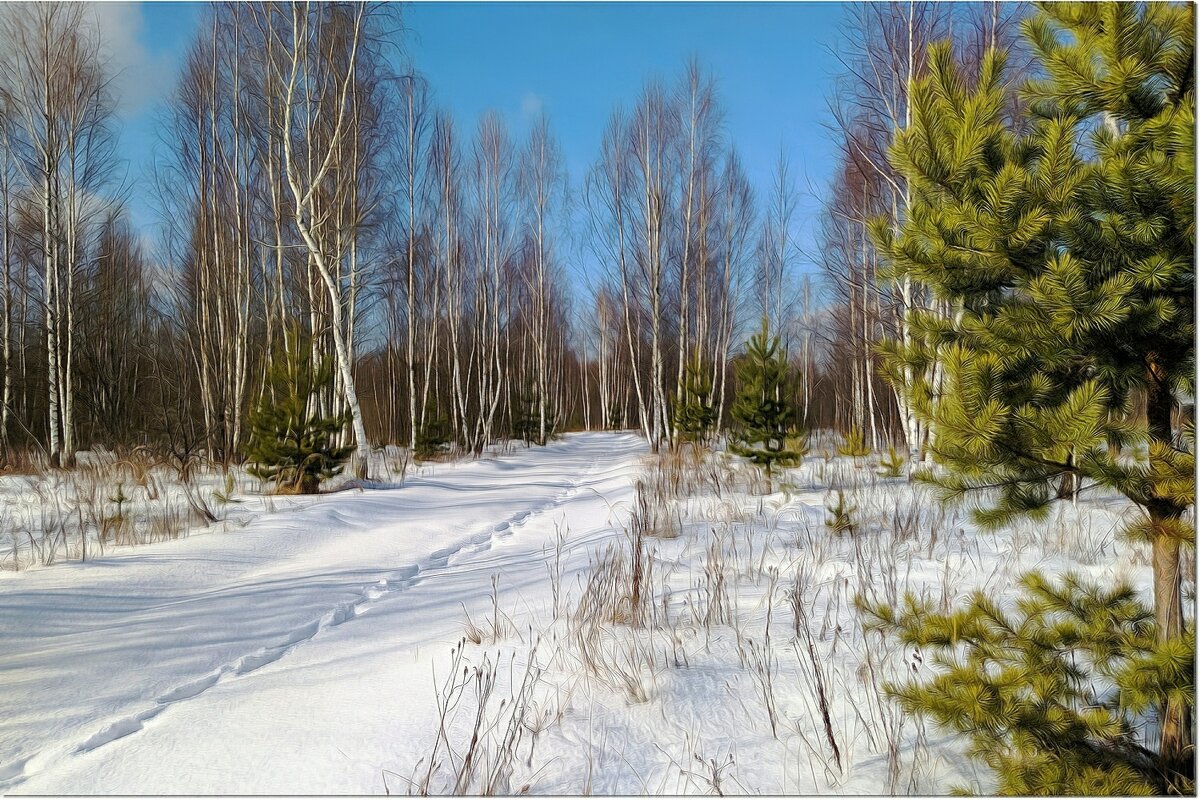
[[314, 196]]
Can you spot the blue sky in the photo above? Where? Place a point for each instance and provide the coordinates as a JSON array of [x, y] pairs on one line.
[[577, 61]]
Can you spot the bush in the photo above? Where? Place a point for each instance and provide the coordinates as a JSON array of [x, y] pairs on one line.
[[841, 515], [1054, 696], [761, 410], [696, 416], [526, 421]]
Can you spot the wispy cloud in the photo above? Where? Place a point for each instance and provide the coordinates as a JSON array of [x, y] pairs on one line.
[[531, 106], [139, 77]]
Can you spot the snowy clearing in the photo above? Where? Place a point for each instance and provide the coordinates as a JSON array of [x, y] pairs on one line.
[[220, 663], [95, 651]]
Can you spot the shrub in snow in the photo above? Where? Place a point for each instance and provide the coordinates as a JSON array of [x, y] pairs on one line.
[[855, 444], [840, 517], [893, 465], [1073, 298], [527, 421], [696, 416]]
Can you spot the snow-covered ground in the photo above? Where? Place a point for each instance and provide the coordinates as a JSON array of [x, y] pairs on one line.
[[359, 642], [173, 640]]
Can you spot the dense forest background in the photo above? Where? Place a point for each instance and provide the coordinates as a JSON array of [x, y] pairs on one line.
[[316, 198]]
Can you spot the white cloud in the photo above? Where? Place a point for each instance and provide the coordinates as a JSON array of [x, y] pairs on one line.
[[531, 106], [139, 78]]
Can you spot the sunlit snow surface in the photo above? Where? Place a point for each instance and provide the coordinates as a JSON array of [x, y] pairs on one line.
[[298, 654], [264, 658]]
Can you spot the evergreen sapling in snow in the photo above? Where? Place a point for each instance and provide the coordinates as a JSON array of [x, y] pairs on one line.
[[433, 437], [696, 416], [1052, 694], [762, 411], [526, 420], [291, 444], [855, 444], [525, 414]]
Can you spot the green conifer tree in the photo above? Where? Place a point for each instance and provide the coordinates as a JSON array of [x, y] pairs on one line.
[[525, 414], [526, 422], [433, 437], [1033, 687], [762, 410], [1066, 253], [696, 415], [291, 444]]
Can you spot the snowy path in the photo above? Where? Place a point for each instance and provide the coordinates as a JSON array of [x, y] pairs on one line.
[[220, 663]]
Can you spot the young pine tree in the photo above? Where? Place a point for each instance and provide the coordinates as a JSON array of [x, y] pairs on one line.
[[1065, 254], [696, 416], [1052, 693], [291, 444], [525, 414], [433, 438], [762, 411], [526, 422]]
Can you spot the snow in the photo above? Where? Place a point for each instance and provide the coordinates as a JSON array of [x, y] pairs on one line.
[[304, 650], [94, 651]]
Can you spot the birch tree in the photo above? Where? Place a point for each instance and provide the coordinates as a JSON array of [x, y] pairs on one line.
[[315, 54], [542, 184], [54, 90]]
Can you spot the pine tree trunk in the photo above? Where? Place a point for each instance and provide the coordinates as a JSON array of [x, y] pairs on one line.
[[1176, 742]]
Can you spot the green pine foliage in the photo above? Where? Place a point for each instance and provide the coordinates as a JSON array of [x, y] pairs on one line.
[[526, 422], [1053, 694], [1059, 245], [762, 410], [893, 465], [525, 415], [433, 437], [855, 444], [696, 416], [119, 498], [840, 515], [616, 420], [291, 444], [797, 442], [1066, 253]]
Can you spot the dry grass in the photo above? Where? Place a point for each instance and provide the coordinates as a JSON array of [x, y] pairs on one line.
[[482, 763], [107, 500]]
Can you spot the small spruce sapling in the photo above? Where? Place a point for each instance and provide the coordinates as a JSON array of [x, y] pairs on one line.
[[224, 496], [696, 416], [893, 465], [616, 420], [841, 515], [762, 410], [1064, 241], [526, 421], [433, 437], [525, 415], [120, 499], [291, 444]]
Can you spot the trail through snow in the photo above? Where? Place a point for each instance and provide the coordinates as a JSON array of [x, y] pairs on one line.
[[221, 663]]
